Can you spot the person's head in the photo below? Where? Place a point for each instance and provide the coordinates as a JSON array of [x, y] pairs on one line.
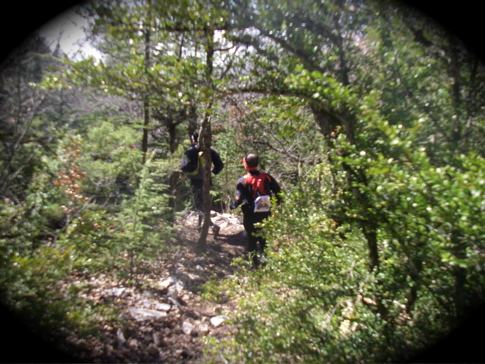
[[251, 161]]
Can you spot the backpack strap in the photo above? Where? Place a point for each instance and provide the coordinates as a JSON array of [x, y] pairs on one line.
[[250, 179], [198, 172]]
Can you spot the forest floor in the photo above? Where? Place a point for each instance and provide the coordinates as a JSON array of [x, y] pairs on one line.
[[165, 316]]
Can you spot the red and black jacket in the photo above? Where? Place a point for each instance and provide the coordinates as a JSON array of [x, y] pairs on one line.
[[245, 194]]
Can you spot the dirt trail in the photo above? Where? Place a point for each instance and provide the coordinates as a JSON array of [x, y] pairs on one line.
[[168, 319]]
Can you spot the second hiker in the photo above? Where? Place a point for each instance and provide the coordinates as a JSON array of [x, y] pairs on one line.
[[192, 166], [253, 192]]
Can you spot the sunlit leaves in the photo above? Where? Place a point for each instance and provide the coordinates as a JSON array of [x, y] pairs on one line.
[[389, 176], [111, 159], [359, 122]]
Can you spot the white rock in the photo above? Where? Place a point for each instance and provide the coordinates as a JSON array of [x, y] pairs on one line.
[[203, 328], [166, 283], [176, 290], [116, 291], [217, 321], [165, 307], [121, 339], [194, 277], [120, 336], [142, 314], [187, 328]]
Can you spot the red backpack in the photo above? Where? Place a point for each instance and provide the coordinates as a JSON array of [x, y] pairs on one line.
[[261, 197]]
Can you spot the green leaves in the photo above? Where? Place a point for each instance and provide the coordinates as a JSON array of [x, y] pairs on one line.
[[359, 122], [385, 191], [111, 159]]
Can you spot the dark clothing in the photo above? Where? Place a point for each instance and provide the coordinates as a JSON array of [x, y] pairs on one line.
[[196, 184], [196, 188], [249, 222], [244, 192], [245, 197], [193, 155]]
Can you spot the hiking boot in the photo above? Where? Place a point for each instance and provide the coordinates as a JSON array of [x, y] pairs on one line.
[[215, 230]]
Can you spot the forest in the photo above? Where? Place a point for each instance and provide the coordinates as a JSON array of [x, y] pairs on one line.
[[369, 115]]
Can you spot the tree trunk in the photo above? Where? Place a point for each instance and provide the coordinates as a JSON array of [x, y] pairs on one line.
[[146, 100], [370, 233], [329, 123], [205, 140], [146, 122], [205, 146], [172, 136]]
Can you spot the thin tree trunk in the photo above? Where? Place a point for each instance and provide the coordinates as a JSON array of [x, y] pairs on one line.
[[205, 141], [146, 98]]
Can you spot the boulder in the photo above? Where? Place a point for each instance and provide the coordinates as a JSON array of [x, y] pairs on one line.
[[165, 307], [176, 290], [166, 283], [202, 327], [142, 314], [115, 292], [187, 328], [217, 321]]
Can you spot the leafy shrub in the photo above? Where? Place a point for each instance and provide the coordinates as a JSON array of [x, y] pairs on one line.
[[37, 259], [317, 300], [111, 160], [58, 233], [142, 223]]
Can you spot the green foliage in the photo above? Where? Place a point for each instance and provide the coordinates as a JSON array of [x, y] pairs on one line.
[[142, 223], [37, 259], [367, 115], [112, 161], [384, 196], [58, 233], [317, 301]]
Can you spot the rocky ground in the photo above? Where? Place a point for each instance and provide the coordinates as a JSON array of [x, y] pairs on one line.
[[166, 322]]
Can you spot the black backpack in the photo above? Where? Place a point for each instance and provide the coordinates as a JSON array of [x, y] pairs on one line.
[[192, 163]]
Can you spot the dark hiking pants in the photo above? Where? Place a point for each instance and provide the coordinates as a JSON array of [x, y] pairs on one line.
[[250, 219]]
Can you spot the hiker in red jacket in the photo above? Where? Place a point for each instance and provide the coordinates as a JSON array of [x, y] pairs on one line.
[[253, 192]]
